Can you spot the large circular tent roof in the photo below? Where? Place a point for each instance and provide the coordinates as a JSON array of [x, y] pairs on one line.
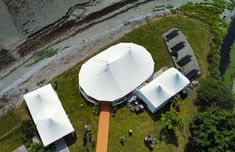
[[115, 72]]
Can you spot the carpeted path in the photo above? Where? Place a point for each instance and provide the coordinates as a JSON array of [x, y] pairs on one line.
[[103, 128]]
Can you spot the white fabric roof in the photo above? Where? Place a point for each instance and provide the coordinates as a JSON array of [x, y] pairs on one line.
[[116, 71], [48, 114], [159, 90]]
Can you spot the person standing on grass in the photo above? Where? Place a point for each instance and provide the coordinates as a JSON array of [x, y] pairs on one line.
[[92, 141], [130, 132], [122, 141], [84, 140]]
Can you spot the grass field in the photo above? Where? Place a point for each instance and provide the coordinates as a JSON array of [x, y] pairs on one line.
[[229, 74], [149, 36]]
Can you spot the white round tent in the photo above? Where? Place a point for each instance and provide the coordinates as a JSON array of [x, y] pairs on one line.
[[115, 72]]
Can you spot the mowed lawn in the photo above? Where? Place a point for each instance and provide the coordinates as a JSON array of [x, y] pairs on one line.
[[149, 36]]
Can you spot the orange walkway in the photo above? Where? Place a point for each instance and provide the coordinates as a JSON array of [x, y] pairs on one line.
[[103, 128]]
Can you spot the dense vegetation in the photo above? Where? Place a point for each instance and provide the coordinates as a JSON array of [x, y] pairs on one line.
[[208, 13], [230, 71], [214, 93], [213, 131], [28, 132], [172, 117]]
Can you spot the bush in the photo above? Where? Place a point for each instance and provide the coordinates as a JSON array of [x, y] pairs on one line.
[[214, 93], [28, 131], [213, 131], [96, 110], [171, 119]]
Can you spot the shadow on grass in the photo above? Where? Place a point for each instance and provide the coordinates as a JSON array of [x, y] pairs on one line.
[[201, 106], [189, 146], [157, 115], [168, 136]]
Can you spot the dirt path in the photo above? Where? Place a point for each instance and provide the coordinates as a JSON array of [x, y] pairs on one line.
[[103, 128]]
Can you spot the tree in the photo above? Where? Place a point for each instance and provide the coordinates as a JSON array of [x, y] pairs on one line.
[[177, 101], [34, 147], [28, 130], [213, 131], [214, 93], [172, 119]]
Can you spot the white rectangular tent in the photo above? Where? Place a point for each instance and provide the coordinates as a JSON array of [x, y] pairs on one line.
[[48, 114], [156, 93]]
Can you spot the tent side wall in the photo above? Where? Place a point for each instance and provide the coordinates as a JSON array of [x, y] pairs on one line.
[[150, 106], [86, 96]]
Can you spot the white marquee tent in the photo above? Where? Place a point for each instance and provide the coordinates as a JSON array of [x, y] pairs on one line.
[[156, 93], [48, 114], [115, 72]]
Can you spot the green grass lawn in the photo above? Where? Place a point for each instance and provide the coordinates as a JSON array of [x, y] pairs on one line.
[[149, 36], [229, 74], [143, 124]]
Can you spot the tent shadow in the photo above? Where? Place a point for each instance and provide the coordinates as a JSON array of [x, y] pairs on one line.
[[201, 106], [70, 139], [157, 115]]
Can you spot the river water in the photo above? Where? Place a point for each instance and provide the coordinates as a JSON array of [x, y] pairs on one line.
[[226, 47]]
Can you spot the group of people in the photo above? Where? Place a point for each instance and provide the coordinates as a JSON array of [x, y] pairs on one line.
[[148, 142], [91, 139], [123, 139], [88, 135]]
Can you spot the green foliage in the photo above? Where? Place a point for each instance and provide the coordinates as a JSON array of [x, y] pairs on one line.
[[230, 71], [208, 13], [169, 6], [171, 119], [42, 55], [34, 147], [214, 63], [28, 131], [113, 109], [96, 109], [176, 103], [213, 131], [214, 93]]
